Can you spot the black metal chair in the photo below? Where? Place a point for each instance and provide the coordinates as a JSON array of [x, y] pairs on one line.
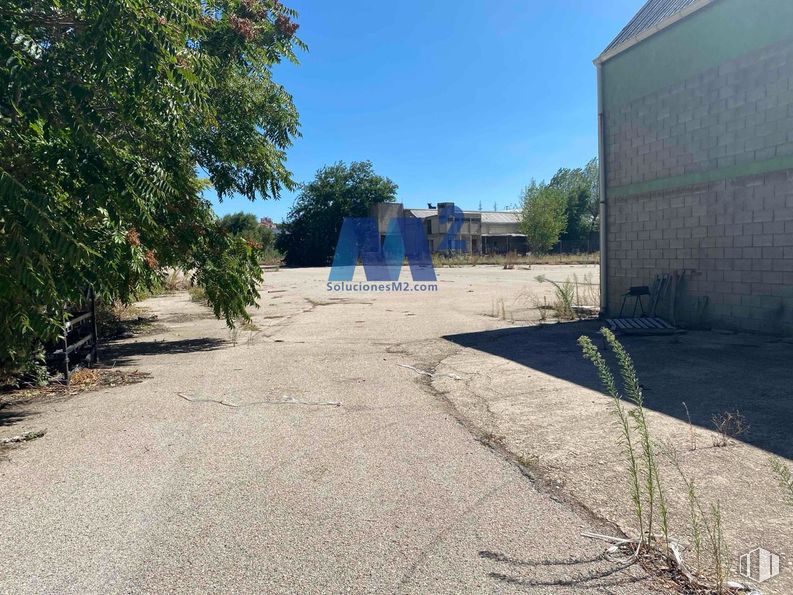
[[636, 293]]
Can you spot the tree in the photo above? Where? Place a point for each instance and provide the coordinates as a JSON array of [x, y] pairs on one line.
[[106, 116], [543, 217], [312, 228], [592, 176], [247, 226], [580, 188]]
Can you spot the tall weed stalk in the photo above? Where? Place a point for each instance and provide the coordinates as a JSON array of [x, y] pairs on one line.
[[645, 482], [623, 422]]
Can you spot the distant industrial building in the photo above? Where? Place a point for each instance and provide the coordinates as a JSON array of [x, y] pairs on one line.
[[481, 232], [269, 224]]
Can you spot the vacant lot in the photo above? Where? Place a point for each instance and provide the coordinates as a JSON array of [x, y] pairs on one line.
[[368, 441]]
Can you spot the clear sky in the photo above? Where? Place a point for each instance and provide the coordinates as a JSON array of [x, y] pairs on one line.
[[454, 100]]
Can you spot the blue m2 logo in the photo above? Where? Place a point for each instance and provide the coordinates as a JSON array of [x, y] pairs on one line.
[[405, 238], [454, 215]]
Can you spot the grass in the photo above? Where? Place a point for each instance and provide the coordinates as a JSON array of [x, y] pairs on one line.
[[512, 259], [271, 257], [542, 307], [573, 299], [498, 309], [197, 294]]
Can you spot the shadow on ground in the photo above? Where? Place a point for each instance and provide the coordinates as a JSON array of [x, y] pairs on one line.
[[709, 371], [9, 417], [130, 352], [587, 573]]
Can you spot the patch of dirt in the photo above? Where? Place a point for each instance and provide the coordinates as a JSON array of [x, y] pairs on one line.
[[82, 380]]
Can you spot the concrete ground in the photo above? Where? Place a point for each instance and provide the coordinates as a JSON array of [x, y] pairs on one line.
[[232, 469], [529, 390]]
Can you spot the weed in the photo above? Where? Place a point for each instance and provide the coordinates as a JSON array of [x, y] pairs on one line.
[[271, 257], [633, 389], [528, 460], [498, 309], [719, 552], [572, 297], [175, 281], [647, 492], [563, 293], [197, 294], [705, 528], [587, 292], [542, 307], [692, 437], [623, 417], [248, 325], [695, 524], [730, 425], [785, 477]]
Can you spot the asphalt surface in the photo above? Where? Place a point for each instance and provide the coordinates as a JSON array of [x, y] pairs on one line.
[[232, 469]]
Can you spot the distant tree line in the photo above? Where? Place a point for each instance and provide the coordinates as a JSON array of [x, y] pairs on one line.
[[309, 236], [563, 210]]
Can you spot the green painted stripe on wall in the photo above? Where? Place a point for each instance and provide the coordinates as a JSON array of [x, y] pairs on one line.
[[704, 177], [718, 33]]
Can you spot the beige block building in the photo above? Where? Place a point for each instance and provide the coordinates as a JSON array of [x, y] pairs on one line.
[[696, 145]]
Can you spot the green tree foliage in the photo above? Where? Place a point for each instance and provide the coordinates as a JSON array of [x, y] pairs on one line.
[[592, 176], [246, 226], [580, 188], [543, 216], [107, 112], [310, 234]]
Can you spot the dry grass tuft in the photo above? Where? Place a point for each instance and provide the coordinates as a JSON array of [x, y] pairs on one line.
[[512, 259], [730, 425]]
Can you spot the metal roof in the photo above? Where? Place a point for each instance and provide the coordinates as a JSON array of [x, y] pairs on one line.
[[500, 217], [487, 216], [654, 15], [422, 213]]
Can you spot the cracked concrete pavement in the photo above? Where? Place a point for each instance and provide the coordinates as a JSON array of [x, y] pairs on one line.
[[134, 489]]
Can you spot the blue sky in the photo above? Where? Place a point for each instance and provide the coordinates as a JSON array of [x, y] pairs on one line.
[[453, 100]]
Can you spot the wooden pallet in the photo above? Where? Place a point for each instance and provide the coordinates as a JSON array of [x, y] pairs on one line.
[[640, 326]]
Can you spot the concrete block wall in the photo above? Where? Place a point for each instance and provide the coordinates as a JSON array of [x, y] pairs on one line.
[[734, 235], [734, 114], [734, 238]]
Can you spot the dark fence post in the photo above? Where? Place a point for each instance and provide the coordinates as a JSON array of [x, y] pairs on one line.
[[65, 349], [94, 332]]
